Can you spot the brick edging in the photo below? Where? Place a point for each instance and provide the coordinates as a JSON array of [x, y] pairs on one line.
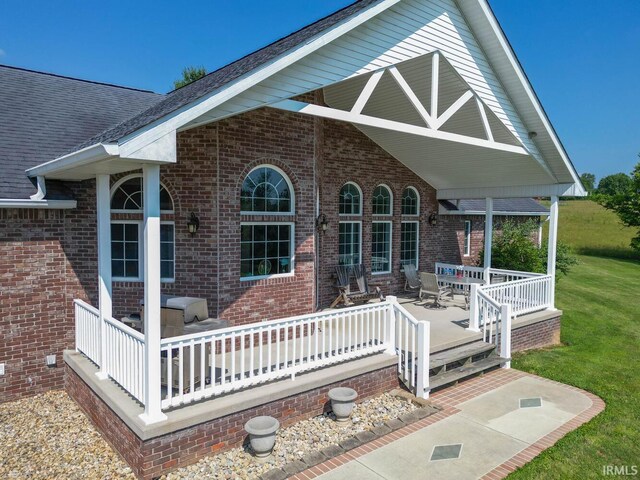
[[449, 398]]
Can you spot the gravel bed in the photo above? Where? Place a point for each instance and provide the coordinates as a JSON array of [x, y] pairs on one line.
[[48, 437], [294, 442]]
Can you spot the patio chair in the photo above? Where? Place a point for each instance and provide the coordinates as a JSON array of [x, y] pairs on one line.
[[411, 279], [363, 294], [431, 288]]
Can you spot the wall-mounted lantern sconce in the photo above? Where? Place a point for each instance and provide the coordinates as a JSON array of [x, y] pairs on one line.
[[193, 224], [433, 219], [321, 223]]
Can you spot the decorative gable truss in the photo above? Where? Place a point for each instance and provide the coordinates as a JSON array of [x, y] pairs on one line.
[[424, 96]]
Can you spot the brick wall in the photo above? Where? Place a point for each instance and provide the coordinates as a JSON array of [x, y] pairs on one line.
[[151, 458], [537, 335]]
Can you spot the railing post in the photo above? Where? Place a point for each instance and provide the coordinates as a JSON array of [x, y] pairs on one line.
[[474, 317], [505, 333], [391, 325], [422, 361]]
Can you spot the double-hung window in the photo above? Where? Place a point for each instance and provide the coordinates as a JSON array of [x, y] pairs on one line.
[[127, 234], [349, 229], [266, 247], [381, 205], [410, 227], [467, 238]]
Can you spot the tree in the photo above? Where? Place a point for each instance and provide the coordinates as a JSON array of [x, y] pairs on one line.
[[189, 75], [615, 184], [514, 248], [589, 181], [627, 204]]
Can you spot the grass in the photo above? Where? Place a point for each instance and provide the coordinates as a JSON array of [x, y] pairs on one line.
[[593, 230], [599, 352]]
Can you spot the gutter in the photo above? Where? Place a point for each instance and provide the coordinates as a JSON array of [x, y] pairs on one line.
[[99, 151], [42, 204]]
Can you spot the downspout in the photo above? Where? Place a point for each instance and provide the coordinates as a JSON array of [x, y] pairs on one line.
[[42, 189]]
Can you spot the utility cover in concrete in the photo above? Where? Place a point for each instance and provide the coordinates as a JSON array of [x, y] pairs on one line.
[[446, 452], [530, 402]]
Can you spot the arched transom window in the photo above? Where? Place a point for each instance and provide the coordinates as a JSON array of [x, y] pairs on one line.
[[126, 234], [410, 201], [350, 201], [266, 190], [266, 247], [382, 201]]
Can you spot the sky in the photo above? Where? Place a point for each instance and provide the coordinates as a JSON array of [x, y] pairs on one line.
[[582, 56]]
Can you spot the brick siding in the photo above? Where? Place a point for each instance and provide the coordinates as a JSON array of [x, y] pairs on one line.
[[537, 335]]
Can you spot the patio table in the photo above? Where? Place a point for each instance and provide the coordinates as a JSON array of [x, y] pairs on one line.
[[461, 284]]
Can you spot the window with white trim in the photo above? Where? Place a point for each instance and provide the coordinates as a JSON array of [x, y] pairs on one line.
[[349, 243], [381, 247], [410, 202], [126, 235], [266, 247], [382, 201], [409, 243], [467, 238], [350, 200]]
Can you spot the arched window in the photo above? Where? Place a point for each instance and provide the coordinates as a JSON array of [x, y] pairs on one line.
[[126, 196], [350, 201], [126, 235], [266, 190], [266, 247], [410, 201], [382, 201]]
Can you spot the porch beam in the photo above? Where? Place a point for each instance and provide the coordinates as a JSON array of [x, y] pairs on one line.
[[457, 105], [103, 214], [515, 191], [151, 201], [485, 120], [413, 98], [368, 89], [551, 250], [366, 120], [488, 239], [435, 81]]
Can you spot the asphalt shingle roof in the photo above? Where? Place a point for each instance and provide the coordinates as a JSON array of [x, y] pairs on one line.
[[507, 205], [219, 78], [43, 115]]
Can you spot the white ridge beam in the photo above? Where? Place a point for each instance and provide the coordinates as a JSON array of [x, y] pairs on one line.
[[457, 105], [368, 89], [435, 78], [366, 120], [413, 98], [485, 121]]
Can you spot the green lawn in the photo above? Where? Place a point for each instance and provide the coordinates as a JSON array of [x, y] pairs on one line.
[[601, 347]]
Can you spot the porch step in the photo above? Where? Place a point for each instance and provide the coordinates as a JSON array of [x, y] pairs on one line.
[[464, 352], [465, 371]]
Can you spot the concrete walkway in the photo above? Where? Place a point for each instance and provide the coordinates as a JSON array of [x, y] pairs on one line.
[[489, 426]]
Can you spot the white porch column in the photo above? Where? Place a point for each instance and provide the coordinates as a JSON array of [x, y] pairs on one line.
[[151, 199], [488, 238], [103, 214], [551, 250]]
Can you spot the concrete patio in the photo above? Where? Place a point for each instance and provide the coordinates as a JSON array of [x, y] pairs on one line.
[[489, 426]]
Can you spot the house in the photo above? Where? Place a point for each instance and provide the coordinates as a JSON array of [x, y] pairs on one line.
[[390, 132]]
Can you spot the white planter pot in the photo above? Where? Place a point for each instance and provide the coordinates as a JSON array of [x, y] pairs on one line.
[[262, 434], [342, 400]]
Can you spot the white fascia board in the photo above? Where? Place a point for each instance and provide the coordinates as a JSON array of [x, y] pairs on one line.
[[177, 119], [87, 155], [524, 81], [518, 191], [42, 204], [444, 211]]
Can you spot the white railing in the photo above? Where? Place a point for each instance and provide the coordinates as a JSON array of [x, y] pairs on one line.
[[125, 357], [87, 330], [198, 366], [525, 296], [495, 321], [464, 270], [413, 350], [512, 275]]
